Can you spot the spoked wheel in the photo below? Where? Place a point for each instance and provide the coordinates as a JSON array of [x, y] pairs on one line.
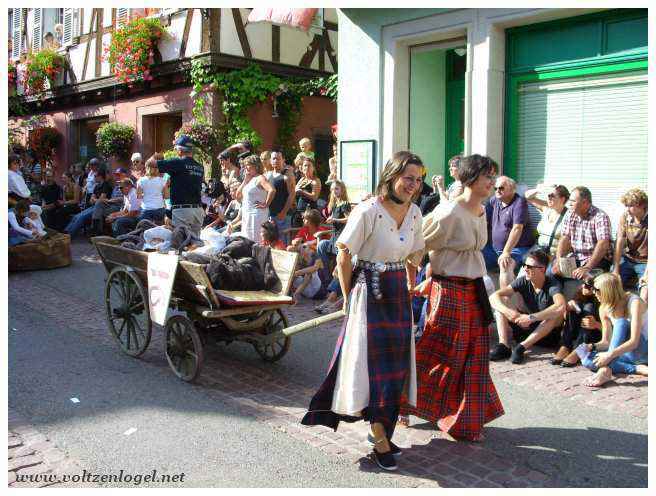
[[128, 315], [277, 349], [184, 348]]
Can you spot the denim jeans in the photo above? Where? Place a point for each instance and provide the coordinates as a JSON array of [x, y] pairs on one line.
[[625, 363], [78, 221], [282, 226], [491, 256], [156, 215], [629, 270], [325, 248]]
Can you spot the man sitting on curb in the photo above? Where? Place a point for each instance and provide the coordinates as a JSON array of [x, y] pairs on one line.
[[542, 295], [586, 233], [507, 217]]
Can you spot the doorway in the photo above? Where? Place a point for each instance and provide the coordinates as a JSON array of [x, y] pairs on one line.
[[437, 104]]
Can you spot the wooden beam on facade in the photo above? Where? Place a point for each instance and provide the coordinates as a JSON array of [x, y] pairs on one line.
[[70, 77], [330, 26], [322, 51], [311, 52], [241, 33], [329, 49], [275, 43], [99, 37], [88, 47], [205, 32], [185, 33]]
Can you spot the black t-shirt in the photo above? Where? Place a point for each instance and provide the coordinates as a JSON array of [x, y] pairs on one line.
[[186, 179], [51, 193], [103, 187], [279, 182], [339, 212], [537, 301]]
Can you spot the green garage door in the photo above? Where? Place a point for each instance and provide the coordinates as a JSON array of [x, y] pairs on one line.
[[588, 131]]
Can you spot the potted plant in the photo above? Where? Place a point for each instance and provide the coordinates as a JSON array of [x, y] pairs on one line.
[[114, 139], [44, 141], [41, 67], [131, 50]]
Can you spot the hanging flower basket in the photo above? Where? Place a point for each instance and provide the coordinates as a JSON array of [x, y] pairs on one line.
[[40, 67], [131, 51], [114, 139], [44, 141], [208, 139], [12, 76]]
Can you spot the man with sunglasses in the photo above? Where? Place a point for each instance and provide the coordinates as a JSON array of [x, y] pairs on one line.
[[537, 318], [507, 217]]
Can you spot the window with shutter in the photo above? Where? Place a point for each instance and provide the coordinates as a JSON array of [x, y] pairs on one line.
[[67, 38], [588, 131], [37, 29], [17, 24], [122, 16]]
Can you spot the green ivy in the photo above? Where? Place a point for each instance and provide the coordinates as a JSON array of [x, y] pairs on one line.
[[244, 88]]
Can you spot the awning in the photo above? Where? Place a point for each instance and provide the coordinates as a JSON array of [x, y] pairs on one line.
[[296, 18]]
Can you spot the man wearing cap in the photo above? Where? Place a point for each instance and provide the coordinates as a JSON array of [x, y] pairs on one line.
[[186, 185]]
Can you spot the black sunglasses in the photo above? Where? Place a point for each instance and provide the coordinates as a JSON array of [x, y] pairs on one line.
[[527, 266], [499, 188]]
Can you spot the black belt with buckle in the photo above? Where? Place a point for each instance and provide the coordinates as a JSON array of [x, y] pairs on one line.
[[187, 205]]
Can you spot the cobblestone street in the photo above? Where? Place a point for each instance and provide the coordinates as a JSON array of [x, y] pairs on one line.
[[276, 395]]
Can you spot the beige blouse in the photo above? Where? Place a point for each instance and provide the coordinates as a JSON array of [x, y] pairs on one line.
[[372, 234], [454, 239]]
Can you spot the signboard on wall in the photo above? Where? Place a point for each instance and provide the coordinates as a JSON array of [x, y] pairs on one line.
[[357, 161]]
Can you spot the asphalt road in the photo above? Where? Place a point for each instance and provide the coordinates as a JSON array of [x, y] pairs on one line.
[[183, 428]]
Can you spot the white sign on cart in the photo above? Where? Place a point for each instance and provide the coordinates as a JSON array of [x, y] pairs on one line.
[[161, 274]]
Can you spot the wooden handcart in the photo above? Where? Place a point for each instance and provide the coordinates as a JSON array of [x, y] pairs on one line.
[[255, 317]]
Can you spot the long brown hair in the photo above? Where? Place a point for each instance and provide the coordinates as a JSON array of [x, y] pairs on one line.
[[393, 169]]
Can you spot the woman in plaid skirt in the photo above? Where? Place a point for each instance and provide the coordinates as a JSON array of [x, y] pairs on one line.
[[373, 364], [455, 389]]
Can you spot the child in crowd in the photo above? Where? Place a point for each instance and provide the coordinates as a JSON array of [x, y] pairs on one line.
[[269, 235], [306, 234], [33, 221], [332, 165], [305, 144], [339, 209], [306, 277]]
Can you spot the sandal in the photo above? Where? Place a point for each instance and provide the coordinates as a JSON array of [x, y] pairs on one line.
[[568, 365]]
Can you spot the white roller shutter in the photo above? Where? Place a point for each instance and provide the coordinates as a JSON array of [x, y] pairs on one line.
[[588, 131], [37, 29], [17, 28]]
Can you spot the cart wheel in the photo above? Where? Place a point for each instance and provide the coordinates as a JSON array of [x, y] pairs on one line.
[[276, 350], [128, 315], [184, 349]]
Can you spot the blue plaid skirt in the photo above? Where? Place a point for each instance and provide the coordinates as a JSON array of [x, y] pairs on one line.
[[389, 335]]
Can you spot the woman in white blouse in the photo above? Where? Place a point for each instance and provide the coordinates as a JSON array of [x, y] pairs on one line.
[[455, 389], [151, 190], [373, 364]]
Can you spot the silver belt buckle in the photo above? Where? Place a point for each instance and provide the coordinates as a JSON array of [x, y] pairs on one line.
[[380, 267]]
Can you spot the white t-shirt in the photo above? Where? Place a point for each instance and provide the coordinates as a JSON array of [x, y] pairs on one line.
[[91, 182], [130, 201], [153, 188], [17, 185]]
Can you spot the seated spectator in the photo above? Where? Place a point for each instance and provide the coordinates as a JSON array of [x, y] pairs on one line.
[[33, 221], [270, 237], [542, 306], [230, 221], [72, 196], [106, 205], [52, 200], [623, 347], [455, 188], [150, 191], [90, 182], [125, 220], [306, 278], [214, 211], [16, 186], [103, 189], [582, 324], [643, 285], [333, 301], [33, 176], [631, 245], [339, 209], [306, 234], [18, 233], [229, 169], [586, 234], [507, 216], [552, 212]]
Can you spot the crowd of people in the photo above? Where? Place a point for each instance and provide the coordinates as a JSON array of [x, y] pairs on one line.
[[410, 266]]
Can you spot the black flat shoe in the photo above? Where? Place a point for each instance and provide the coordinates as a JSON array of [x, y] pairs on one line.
[[394, 449], [568, 365], [385, 460], [556, 361]]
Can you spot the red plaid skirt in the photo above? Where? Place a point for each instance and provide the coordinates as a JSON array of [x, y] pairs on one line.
[[459, 395]]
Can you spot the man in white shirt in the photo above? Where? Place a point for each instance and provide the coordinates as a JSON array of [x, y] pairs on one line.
[[16, 185], [125, 220]]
